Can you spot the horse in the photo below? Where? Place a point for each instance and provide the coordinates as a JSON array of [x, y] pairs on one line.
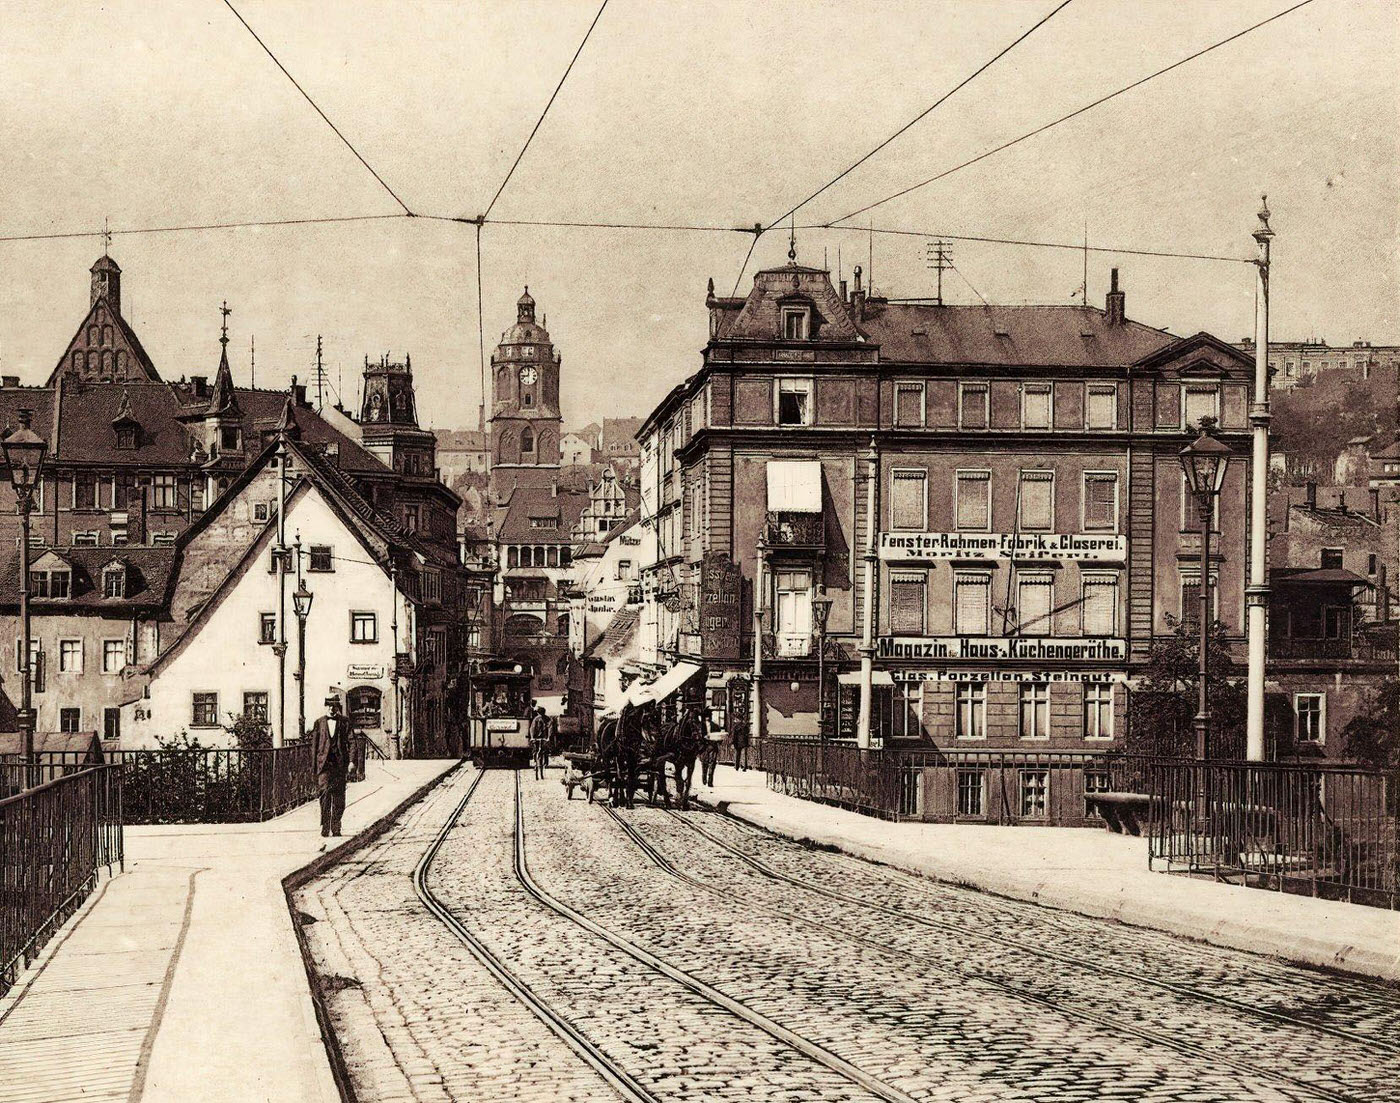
[[619, 750], [687, 740]]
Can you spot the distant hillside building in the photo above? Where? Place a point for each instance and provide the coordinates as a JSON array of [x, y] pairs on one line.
[[1291, 362], [578, 446]]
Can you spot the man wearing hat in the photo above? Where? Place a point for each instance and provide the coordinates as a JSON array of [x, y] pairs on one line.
[[330, 739]]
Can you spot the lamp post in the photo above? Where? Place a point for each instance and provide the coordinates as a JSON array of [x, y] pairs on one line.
[[821, 610], [24, 455], [301, 603], [1204, 461]]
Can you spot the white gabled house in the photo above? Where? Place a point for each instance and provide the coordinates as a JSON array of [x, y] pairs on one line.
[[233, 649]]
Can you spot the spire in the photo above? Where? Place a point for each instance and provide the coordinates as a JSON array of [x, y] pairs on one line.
[[222, 399], [223, 329], [287, 424], [124, 409], [525, 307]]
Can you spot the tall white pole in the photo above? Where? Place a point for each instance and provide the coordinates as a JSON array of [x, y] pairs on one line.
[[279, 735], [871, 601], [1257, 592]]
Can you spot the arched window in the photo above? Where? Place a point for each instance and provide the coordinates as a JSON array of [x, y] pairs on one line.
[[107, 364], [553, 555], [527, 442], [513, 556], [106, 335], [121, 362], [77, 361], [523, 624], [92, 337], [563, 633]]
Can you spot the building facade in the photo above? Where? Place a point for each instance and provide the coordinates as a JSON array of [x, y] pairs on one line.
[[1293, 362], [988, 500]]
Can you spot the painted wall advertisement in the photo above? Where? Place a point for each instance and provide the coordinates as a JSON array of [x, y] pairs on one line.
[[1062, 546], [721, 586]]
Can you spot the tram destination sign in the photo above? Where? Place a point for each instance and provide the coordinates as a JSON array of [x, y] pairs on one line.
[[1032, 648], [922, 546]]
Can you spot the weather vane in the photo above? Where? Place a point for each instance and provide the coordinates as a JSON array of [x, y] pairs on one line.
[[106, 237], [223, 330]]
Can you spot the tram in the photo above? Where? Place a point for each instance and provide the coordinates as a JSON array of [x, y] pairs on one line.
[[498, 715]]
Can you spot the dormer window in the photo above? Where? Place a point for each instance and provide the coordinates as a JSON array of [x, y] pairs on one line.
[[228, 438], [56, 582], [126, 438], [114, 580], [795, 320]]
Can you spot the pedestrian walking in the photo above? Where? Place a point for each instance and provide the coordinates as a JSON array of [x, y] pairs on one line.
[[331, 749], [709, 756], [739, 736], [539, 741]]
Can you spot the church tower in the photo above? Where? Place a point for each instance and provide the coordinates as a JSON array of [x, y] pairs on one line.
[[105, 349], [389, 419], [524, 425]]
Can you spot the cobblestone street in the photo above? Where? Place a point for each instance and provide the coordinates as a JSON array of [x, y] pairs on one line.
[[659, 955]]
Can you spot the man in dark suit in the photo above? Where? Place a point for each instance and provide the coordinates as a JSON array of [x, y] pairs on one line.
[[331, 746]]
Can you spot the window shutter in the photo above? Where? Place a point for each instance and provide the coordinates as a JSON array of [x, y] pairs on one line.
[[973, 489], [907, 603], [1034, 605], [1037, 500], [971, 606], [1100, 606], [1100, 501], [908, 500]]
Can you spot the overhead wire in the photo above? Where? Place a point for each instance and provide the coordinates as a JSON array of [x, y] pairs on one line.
[[317, 107], [60, 235], [1072, 115], [538, 122], [926, 111], [1076, 246]]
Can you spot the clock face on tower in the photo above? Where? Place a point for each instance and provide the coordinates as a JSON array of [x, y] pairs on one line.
[[528, 375]]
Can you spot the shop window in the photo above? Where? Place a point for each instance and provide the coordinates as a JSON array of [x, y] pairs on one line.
[[973, 504], [908, 600], [1100, 501], [970, 595], [1035, 405], [972, 405], [972, 793], [970, 699], [909, 500], [1101, 406], [364, 705], [1035, 710], [899, 710], [1037, 501], [1035, 794]]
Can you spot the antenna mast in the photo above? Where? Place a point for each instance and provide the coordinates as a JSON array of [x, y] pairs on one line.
[[252, 361], [320, 377], [940, 259]]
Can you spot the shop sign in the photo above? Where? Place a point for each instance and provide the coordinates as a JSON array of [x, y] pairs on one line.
[[364, 672], [603, 603], [1097, 677], [1064, 546], [1034, 648], [720, 589], [501, 725]]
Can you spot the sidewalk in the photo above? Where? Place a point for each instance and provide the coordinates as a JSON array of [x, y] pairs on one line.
[[1086, 871], [181, 979]]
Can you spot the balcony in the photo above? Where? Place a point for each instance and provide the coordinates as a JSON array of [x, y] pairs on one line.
[[795, 531], [786, 645], [1341, 649]]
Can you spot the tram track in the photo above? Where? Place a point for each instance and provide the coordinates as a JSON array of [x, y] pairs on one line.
[[618, 1078], [1282, 1018], [1116, 1026], [737, 1008]]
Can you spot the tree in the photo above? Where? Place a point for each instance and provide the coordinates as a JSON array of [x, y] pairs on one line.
[[1165, 705], [250, 732], [1372, 737]]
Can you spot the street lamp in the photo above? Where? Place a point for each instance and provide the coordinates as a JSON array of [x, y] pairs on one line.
[[821, 610], [301, 605], [24, 452], [1204, 461]]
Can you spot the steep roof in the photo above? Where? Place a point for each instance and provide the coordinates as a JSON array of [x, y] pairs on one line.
[[526, 502], [125, 339], [618, 639], [147, 577]]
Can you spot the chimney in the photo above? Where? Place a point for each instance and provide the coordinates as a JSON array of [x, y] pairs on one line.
[[1382, 595], [1376, 504], [298, 393], [1116, 304], [9, 381], [845, 297], [333, 452], [858, 296], [200, 383], [1310, 500]]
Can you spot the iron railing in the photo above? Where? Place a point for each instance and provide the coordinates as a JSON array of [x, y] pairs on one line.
[[1044, 788], [55, 839], [227, 785], [1324, 830], [1358, 647]]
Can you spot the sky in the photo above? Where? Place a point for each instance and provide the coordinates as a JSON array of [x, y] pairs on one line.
[[153, 113]]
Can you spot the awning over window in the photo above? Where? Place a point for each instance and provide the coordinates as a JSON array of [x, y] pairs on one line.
[[877, 678], [795, 486], [664, 686]]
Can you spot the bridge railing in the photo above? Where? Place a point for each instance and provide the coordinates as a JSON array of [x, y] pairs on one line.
[[55, 838]]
